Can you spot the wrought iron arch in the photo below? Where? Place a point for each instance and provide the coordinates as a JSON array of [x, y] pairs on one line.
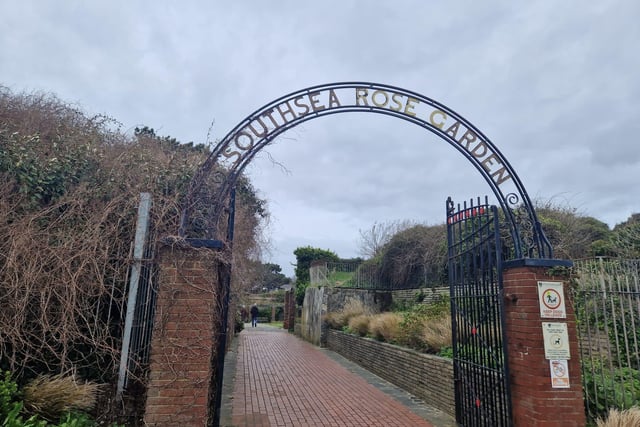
[[238, 148]]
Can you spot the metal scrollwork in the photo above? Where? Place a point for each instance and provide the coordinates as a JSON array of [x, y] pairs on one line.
[[239, 147]]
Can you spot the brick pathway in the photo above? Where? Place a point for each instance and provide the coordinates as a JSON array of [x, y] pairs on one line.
[[280, 380]]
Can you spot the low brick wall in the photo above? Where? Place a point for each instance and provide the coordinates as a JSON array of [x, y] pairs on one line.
[[427, 377]]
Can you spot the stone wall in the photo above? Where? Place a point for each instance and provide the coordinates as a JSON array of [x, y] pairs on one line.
[[409, 296], [338, 297], [427, 377]]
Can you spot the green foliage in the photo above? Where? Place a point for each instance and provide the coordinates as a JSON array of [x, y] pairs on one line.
[[572, 235], [446, 352], [304, 257], [265, 312], [607, 388], [625, 240], [12, 410], [411, 327], [413, 322], [270, 278]]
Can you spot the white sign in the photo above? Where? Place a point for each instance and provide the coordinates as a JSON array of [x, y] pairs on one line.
[[559, 373], [556, 340], [551, 299]]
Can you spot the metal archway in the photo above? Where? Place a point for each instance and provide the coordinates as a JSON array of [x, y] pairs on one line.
[[237, 149]]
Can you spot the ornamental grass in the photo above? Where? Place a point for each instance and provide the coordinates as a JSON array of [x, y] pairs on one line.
[[51, 396], [627, 418], [385, 326]]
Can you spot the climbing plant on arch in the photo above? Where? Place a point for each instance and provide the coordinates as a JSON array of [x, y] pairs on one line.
[[238, 148]]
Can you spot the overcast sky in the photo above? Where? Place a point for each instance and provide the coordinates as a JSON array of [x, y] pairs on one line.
[[554, 84]]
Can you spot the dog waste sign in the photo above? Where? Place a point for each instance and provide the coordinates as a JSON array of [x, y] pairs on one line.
[[556, 340], [551, 299], [559, 373]]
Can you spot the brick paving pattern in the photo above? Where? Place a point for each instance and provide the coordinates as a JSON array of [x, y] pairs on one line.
[[281, 380]]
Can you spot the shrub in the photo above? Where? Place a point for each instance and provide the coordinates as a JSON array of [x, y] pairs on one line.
[[385, 326], [412, 326], [334, 320], [52, 396], [352, 308], [627, 418], [360, 324], [605, 388], [436, 334]]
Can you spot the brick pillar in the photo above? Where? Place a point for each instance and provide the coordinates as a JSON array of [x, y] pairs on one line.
[[183, 342], [289, 310], [535, 402]]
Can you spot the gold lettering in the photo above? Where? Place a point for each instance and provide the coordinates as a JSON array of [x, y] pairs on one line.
[[236, 139], [269, 114], [500, 173], [453, 130], [439, 125], [395, 100], [468, 137], [298, 104], [313, 100], [333, 99], [361, 95], [228, 154], [255, 132], [486, 163], [408, 107], [289, 110], [380, 104], [476, 152]]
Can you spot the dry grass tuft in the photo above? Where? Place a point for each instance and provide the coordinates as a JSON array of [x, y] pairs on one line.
[[52, 396], [360, 324], [627, 418], [352, 308], [334, 319], [385, 326], [437, 333]]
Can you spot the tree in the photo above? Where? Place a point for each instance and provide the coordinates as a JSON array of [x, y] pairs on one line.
[[415, 257], [271, 278], [373, 240], [625, 239], [572, 235], [304, 257]]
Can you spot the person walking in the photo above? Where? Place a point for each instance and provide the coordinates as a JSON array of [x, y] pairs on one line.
[[254, 315]]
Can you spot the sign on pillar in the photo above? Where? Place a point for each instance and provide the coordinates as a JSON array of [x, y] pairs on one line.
[[551, 299], [556, 337]]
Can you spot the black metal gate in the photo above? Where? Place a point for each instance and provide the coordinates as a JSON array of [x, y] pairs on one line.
[[477, 313]]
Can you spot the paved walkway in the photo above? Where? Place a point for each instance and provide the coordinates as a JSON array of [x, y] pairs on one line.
[[272, 378]]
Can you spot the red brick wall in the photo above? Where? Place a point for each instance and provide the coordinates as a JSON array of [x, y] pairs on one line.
[[183, 338], [535, 402]]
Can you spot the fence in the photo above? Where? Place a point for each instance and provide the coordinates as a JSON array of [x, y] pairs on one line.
[[357, 275], [606, 295]]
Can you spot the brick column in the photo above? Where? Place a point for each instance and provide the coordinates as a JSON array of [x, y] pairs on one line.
[[289, 310], [535, 402], [186, 322]]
